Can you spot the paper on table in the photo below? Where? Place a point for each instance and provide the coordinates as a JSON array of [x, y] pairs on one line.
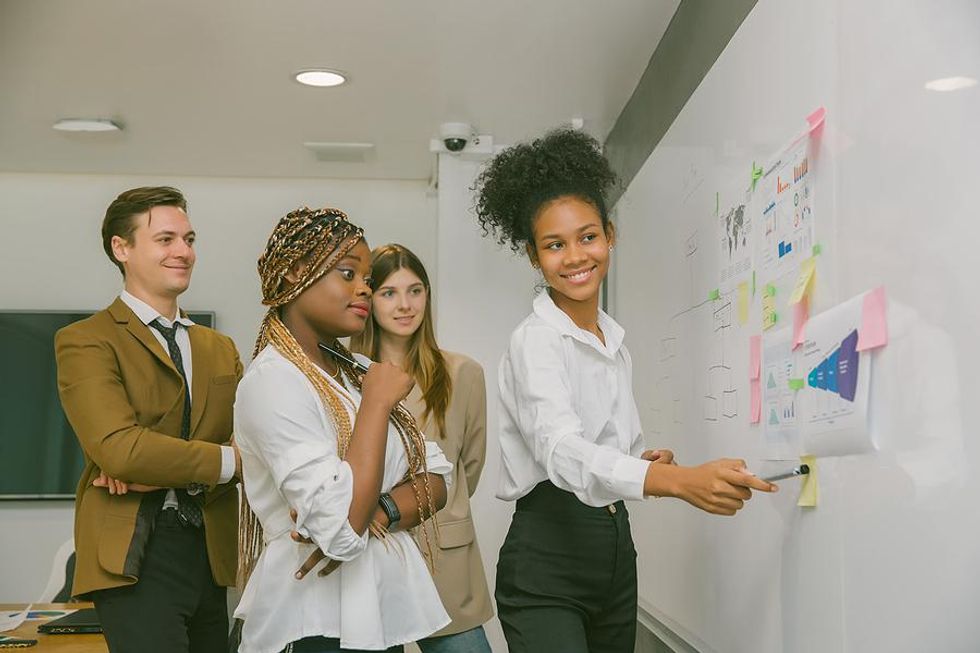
[[11, 620], [874, 324], [810, 492]]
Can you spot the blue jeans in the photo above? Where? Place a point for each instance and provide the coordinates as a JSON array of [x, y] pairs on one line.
[[468, 641]]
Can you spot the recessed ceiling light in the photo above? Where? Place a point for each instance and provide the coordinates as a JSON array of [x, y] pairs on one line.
[[320, 77], [87, 125], [951, 83]]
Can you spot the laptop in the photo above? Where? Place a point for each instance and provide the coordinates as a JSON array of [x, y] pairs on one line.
[[85, 620]]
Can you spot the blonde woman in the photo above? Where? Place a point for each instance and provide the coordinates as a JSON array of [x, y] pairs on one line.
[[449, 402]]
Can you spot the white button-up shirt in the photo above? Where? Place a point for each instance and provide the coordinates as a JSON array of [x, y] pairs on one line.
[[382, 595], [568, 410]]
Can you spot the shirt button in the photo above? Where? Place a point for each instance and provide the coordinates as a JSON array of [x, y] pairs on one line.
[[612, 508]]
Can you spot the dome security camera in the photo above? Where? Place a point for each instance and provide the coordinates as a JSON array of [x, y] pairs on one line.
[[455, 135]]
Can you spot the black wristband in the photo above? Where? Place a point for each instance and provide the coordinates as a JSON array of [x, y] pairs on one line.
[[390, 509]]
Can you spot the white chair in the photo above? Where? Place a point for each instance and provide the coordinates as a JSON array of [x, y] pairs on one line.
[[58, 578]]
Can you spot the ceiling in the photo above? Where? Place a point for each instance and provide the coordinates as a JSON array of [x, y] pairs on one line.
[[205, 87]]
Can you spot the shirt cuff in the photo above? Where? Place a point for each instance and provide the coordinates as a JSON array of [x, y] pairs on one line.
[[631, 475], [227, 464]]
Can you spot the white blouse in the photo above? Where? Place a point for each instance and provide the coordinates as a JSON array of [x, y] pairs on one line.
[[568, 411], [382, 595]]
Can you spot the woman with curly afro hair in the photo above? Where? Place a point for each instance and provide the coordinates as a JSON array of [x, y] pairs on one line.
[[570, 440]]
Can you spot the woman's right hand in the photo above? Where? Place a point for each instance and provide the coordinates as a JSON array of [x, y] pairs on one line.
[[721, 486], [385, 383]]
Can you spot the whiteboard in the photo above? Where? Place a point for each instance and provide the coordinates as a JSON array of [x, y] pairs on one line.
[[890, 558]]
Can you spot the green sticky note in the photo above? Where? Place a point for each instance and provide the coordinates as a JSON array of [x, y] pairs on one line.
[[817, 249], [714, 294], [796, 384], [753, 283], [770, 290]]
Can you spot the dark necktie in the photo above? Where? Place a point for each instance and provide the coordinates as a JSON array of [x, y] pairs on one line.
[[188, 506]]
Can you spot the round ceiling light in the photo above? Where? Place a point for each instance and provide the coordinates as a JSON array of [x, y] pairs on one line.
[[320, 77]]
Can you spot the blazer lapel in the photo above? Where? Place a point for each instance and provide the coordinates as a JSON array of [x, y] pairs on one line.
[[122, 314], [201, 355]]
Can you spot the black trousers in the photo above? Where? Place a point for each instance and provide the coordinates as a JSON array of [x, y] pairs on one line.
[[329, 645], [175, 607], [566, 577]]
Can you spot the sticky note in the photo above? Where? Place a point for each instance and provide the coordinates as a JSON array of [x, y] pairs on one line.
[[714, 294], [756, 401], [743, 302], [874, 322], [770, 290], [753, 283], [809, 493], [802, 287], [756, 174], [796, 384], [768, 311], [755, 349], [801, 313], [816, 118], [817, 249]]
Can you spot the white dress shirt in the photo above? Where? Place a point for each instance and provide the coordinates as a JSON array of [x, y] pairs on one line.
[[382, 595], [147, 314], [569, 415]]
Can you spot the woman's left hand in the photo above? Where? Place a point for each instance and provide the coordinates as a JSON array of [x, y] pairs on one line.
[[662, 456]]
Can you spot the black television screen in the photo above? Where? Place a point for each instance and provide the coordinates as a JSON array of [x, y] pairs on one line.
[[39, 455]]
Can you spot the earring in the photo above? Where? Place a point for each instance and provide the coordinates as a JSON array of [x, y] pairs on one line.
[[610, 248]]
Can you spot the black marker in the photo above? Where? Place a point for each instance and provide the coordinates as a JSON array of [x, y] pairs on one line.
[[796, 471], [360, 367]]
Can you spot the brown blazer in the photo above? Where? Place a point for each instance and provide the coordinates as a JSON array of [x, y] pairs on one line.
[[124, 399], [459, 574]]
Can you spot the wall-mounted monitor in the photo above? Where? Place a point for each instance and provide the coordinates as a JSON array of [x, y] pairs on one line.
[[40, 457]]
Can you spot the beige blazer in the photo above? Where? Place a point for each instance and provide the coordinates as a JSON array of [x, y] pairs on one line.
[[124, 399], [459, 574]]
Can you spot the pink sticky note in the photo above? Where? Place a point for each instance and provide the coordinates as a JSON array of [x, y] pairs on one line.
[[801, 313], [874, 323], [756, 406], [816, 118], [755, 345]]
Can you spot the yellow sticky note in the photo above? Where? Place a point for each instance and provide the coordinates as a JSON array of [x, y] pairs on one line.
[[743, 302], [809, 493], [802, 286], [768, 310]]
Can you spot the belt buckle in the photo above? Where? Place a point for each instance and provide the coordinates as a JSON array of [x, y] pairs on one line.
[[611, 508]]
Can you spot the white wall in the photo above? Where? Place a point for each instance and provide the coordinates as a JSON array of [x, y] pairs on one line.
[[482, 293], [53, 259]]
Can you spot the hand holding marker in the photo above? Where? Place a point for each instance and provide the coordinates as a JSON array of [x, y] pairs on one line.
[[796, 471]]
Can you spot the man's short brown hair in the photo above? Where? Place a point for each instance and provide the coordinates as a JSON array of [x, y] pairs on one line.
[[119, 216]]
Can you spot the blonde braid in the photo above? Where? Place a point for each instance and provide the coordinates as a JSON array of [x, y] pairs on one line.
[[322, 237]]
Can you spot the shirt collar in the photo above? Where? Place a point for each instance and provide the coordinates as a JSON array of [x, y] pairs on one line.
[[147, 313], [545, 308]]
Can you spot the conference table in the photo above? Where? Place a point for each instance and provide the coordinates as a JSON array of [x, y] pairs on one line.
[[55, 643]]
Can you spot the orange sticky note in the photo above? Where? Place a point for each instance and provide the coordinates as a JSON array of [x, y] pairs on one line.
[[756, 401], [755, 346], [874, 323], [801, 313]]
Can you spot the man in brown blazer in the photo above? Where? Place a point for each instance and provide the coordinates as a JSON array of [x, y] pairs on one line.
[[149, 395]]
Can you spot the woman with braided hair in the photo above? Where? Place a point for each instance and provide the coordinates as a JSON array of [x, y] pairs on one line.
[[336, 447]]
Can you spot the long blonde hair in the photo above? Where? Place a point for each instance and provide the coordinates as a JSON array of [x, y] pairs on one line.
[[425, 361], [322, 237]]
